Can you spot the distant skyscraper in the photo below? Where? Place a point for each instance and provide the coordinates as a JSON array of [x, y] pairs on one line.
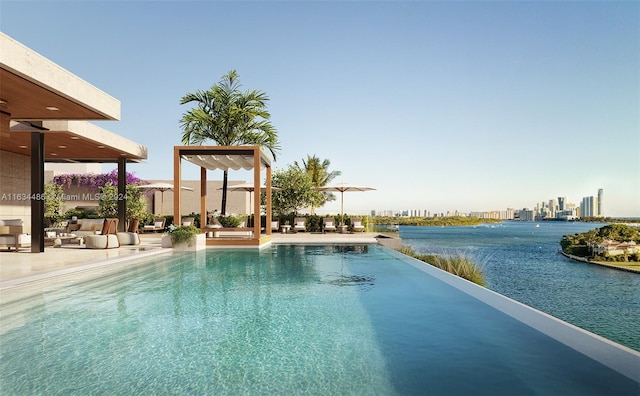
[[561, 203], [600, 203]]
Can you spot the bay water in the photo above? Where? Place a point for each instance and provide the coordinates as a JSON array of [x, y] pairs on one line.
[[521, 260]]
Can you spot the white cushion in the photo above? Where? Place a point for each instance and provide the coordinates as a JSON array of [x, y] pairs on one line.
[[274, 224], [329, 224], [87, 226], [186, 223], [357, 224], [102, 241], [157, 224], [128, 238], [300, 224]]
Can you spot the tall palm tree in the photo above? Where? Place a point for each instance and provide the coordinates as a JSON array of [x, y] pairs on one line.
[[320, 176], [228, 117]]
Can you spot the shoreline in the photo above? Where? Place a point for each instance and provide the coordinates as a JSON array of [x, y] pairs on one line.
[[600, 263]]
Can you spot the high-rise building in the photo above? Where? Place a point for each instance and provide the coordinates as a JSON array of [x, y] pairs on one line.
[[561, 203], [600, 203]]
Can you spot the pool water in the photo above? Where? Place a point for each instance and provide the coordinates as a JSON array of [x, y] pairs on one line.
[[285, 320]]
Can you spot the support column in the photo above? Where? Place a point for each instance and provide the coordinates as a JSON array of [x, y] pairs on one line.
[[256, 192], [268, 203], [122, 194], [203, 197], [177, 185], [37, 191]]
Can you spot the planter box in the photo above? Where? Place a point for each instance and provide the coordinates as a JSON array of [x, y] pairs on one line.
[[199, 243]]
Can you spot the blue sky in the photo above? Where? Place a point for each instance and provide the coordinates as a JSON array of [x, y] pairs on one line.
[[441, 106]]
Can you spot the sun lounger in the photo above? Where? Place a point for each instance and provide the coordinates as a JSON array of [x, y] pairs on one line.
[[328, 224], [357, 226], [158, 225], [300, 224]]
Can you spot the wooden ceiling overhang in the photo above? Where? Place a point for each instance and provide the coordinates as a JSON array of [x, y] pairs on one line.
[[37, 95]]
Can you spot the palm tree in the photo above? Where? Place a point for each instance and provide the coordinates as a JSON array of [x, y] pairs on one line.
[[229, 117], [320, 176]]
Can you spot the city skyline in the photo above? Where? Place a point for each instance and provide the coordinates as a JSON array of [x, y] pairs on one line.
[[559, 208], [438, 105]]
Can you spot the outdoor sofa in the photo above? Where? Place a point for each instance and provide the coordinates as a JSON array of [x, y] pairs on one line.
[[12, 234]]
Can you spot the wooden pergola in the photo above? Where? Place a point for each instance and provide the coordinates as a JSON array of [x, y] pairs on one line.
[[225, 158]]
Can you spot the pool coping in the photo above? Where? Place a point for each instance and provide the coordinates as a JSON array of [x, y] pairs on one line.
[[77, 268]]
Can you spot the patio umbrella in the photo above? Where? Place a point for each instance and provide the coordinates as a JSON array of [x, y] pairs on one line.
[[162, 187], [248, 187], [341, 188]]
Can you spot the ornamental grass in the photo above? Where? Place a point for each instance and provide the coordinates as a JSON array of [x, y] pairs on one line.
[[457, 265]]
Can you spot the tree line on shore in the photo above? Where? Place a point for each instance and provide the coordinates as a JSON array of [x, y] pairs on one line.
[[582, 244]]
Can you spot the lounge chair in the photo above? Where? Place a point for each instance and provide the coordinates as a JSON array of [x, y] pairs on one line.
[[275, 225], [328, 224], [187, 221], [158, 225], [300, 224], [130, 237], [108, 237], [212, 222], [357, 226]]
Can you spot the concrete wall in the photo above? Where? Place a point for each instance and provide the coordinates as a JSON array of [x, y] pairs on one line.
[[15, 187]]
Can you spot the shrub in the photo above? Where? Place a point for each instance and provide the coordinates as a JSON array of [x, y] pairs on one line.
[[183, 234], [229, 221]]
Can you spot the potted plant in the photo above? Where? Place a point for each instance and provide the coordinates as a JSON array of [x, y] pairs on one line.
[[184, 238]]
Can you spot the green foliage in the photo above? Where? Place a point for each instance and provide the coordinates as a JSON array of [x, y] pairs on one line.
[[320, 176], [228, 116], [431, 221], [229, 221], [196, 218], [579, 244], [456, 265], [183, 234], [297, 190], [619, 232], [53, 203], [136, 204], [75, 212]]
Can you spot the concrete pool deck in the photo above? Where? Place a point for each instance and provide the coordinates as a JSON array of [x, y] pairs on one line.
[[24, 265]]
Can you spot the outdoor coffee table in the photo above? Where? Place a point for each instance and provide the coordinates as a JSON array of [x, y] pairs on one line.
[[67, 239], [285, 229]]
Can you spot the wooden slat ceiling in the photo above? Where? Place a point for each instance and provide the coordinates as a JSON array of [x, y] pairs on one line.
[[21, 99], [62, 146], [25, 100]]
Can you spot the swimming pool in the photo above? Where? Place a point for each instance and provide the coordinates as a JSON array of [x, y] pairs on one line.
[[356, 319]]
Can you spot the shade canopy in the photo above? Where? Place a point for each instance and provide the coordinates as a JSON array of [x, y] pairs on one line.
[[341, 188]]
